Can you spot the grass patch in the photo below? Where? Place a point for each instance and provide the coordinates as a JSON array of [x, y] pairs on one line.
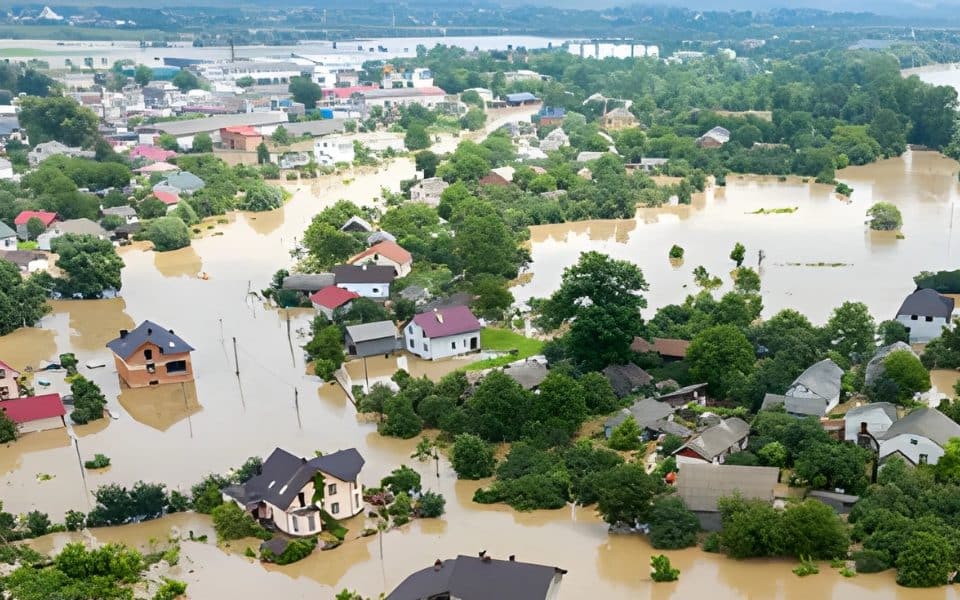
[[31, 245], [775, 211], [503, 340]]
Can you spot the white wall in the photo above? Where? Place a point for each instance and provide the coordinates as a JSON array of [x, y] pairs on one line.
[[877, 423], [912, 446], [378, 259], [41, 424], [9, 243], [368, 290], [435, 348], [922, 330]]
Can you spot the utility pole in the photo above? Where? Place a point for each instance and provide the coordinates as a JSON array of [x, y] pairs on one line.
[[186, 407], [236, 359], [296, 404]]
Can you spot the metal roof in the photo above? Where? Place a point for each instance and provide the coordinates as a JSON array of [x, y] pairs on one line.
[[927, 422], [718, 438], [700, 485], [927, 303], [476, 578], [377, 330], [218, 122]]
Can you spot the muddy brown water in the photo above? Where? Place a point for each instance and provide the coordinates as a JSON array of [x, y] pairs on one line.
[[177, 434]]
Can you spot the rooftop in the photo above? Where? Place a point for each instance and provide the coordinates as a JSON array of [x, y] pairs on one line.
[[148, 331], [367, 332], [388, 249], [927, 422], [218, 122], [451, 320], [363, 274], [45, 217], [718, 438], [822, 378], [332, 297], [24, 410], [646, 413], [700, 485], [479, 578], [927, 303]]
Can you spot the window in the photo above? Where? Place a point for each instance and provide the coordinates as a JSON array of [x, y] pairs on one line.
[[302, 499], [296, 524], [148, 354], [411, 343], [425, 349], [914, 317], [928, 319], [177, 366], [410, 329], [311, 523], [376, 290], [335, 508], [923, 459], [913, 441], [453, 345], [332, 489], [4, 392]]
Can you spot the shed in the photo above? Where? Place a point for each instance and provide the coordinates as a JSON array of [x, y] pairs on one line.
[[842, 503], [371, 339], [625, 379], [696, 393]]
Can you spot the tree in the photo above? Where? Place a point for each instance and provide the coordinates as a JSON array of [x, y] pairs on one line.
[[598, 394], [672, 524], [167, 233], [948, 467], [325, 348], [185, 213], [403, 479], [88, 401], [306, 91], [431, 505], [662, 570], [151, 208], [626, 435], [263, 153], [560, 405], [892, 332], [416, 137], [833, 465], [185, 80], [202, 142], [624, 494], [8, 429], [143, 75], [57, 118], [427, 162], [773, 454], [906, 370], [492, 297], [600, 298], [328, 245], [471, 457], [738, 253], [747, 281], [498, 408], [850, 331], [812, 530], [720, 355], [474, 120], [925, 561], [22, 300], [889, 131], [483, 241], [401, 420], [261, 197], [280, 136], [34, 228], [90, 265], [233, 523], [676, 252], [751, 528], [168, 142], [884, 217]]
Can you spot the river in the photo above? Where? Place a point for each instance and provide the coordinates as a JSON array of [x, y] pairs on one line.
[[178, 434]]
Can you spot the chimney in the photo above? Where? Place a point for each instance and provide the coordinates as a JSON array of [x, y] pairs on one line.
[[863, 428], [123, 334], [437, 565], [303, 459], [482, 553], [513, 557], [171, 332]]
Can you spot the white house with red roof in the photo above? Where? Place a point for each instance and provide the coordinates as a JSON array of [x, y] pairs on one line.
[[8, 382], [21, 220], [37, 413], [388, 254], [443, 332], [331, 298]]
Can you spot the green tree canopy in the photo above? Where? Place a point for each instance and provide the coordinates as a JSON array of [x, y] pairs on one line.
[[167, 233], [721, 356], [90, 265], [472, 458]]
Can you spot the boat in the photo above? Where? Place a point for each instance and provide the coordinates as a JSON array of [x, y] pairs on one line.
[[113, 414], [95, 364], [43, 382]]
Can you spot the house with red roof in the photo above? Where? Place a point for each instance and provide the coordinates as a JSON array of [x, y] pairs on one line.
[[37, 413], [168, 197], [151, 153], [157, 167], [442, 332], [8, 382], [331, 298], [385, 253], [47, 218], [241, 137], [342, 94]]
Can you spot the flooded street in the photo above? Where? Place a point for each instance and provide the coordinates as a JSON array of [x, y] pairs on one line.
[[816, 257], [177, 434]]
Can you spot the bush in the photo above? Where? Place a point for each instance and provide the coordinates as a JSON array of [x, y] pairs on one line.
[[100, 461], [431, 505], [297, 549], [232, 523], [206, 494], [672, 525], [626, 435], [38, 523], [472, 458], [871, 561], [170, 590], [88, 401], [712, 542], [167, 233], [806, 567], [74, 520], [884, 217], [117, 505], [402, 480], [662, 570]]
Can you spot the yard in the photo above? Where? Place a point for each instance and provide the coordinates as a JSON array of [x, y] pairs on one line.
[[503, 340]]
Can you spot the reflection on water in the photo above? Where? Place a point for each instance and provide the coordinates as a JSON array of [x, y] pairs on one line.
[[800, 247], [274, 401]]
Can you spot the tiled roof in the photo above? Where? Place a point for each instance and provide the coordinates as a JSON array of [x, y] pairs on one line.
[[391, 250], [45, 217], [148, 331], [24, 410], [333, 297], [447, 321]]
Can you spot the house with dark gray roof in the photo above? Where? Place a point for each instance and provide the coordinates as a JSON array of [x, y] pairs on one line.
[[696, 394], [151, 355], [369, 281], [925, 313], [652, 416], [480, 578], [371, 339], [918, 437], [714, 444], [307, 283], [700, 485], [626, 379], [290, 493]]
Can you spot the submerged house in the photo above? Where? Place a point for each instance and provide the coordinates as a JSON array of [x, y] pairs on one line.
[[652, 416], [330, 298], [387, 254], [925, 313], [442, 332], [369, 281], [291, 493], [701, 484], [370, 339], [37, 413], [151, 355], [481, 578], [8, 382], [919, 437]]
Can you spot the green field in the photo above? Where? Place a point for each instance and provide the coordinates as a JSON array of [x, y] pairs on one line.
[[504, 340]]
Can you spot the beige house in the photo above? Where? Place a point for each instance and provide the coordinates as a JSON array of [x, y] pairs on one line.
[[385, 254], [8, 382], [285, 491], [617, 119]]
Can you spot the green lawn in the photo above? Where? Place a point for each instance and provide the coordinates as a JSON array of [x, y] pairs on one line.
[[504, 340]]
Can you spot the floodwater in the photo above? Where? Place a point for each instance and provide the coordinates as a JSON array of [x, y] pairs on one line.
[[816, 257], [177, 434]]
